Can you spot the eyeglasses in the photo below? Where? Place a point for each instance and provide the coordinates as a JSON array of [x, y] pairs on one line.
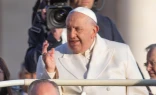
[[151, 62], [145, 64]]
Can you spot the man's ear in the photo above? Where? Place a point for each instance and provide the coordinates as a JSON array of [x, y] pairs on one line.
[[95, 30]]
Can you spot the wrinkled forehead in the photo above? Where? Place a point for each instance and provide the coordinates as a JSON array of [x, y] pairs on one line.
[[87, 12], [76, 17]]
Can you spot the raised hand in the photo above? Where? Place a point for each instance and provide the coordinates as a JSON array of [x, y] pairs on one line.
[[48, 57]]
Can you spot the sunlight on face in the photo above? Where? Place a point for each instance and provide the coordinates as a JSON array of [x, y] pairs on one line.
[[80, 32]]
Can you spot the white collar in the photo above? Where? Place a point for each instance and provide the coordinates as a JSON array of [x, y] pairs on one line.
[[88, 52]]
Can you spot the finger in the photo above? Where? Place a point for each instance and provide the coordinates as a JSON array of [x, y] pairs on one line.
[[45, 46], [52, 51]]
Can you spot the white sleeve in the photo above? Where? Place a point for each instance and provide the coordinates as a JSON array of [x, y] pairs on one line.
[[41, 72]]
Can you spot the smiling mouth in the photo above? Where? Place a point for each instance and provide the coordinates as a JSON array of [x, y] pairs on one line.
[[152, 73], [74, 42]]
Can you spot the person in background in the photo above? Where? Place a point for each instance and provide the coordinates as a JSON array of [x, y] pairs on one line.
[[35, 9], [24, 74], [88, 56], [4, 75], [151, 61], [151, 65], [38, 33], [43, 87]]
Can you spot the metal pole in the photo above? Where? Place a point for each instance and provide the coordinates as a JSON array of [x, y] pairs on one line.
[[85, 82], [118, 82], [11, 83]]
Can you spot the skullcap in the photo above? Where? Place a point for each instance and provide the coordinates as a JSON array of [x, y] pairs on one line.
[[85, 11]]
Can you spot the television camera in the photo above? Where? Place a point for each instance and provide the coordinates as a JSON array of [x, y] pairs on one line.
[[56, 13]]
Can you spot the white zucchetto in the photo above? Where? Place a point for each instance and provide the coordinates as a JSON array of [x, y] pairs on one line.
[[85, 11]]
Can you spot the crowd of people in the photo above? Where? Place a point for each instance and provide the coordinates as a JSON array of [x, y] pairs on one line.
[[92, 48]]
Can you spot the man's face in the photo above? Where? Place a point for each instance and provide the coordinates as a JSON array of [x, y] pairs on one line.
[[82, 3], [151, 63], [80, 32]]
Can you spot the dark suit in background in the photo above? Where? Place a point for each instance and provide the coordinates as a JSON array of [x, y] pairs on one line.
[[108, 29]]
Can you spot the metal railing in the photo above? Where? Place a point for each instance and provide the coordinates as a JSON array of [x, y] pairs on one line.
[[84, 82]]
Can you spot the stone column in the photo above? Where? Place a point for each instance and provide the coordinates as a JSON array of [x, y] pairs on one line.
[[136, 20]]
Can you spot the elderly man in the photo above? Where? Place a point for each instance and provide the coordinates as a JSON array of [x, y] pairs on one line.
[[43, 87], [88, 56], [151, 64], [151, 61]]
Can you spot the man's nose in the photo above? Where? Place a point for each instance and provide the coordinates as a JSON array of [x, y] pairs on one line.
[[72, 33], [149, 67]]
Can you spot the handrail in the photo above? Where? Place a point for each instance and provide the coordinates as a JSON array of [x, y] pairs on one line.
[[85, 82]]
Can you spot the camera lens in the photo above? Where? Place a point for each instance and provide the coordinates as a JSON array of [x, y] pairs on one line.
[[60, 15], [56, 16]]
